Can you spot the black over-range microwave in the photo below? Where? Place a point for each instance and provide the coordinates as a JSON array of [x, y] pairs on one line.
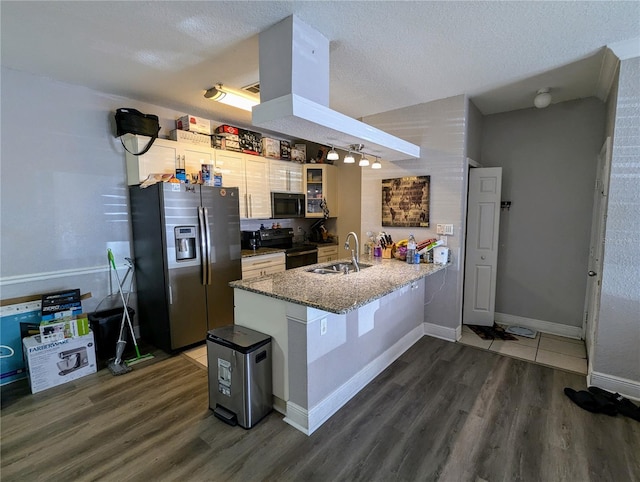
[[287, 205]]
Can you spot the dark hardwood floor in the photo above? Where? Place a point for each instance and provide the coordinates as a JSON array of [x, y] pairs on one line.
[[443, 411]]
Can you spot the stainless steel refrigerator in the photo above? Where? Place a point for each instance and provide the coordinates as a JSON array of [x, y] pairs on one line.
[[186, 242]]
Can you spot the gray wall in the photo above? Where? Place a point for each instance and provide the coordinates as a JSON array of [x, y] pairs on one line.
[[439, 128], [617, 349], [475, 122], [549, 161]]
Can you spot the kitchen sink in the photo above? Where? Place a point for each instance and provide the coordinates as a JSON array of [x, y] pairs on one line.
[[338, 268]]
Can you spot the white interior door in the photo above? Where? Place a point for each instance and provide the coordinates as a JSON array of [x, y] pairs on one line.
[[596, 251], [481, 259]]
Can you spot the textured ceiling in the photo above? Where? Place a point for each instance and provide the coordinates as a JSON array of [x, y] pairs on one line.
[[384, 55]]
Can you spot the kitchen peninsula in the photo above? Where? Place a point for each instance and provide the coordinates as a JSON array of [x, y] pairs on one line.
[[333, 333]]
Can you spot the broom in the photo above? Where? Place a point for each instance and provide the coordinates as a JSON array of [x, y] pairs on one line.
[[138, 358]]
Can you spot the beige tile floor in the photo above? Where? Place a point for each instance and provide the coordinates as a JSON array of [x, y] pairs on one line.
[[198, 354], [545, 349]]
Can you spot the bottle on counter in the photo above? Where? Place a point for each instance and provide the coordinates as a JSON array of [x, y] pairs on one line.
[[411, 249]]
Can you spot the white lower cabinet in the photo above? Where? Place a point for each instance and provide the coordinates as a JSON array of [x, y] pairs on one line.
[[263, 265], [327, 254]]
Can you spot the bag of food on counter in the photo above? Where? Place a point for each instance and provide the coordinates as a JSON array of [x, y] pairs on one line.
[[132, 121]]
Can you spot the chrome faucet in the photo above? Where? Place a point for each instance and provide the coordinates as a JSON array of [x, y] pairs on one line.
[[355, 255]]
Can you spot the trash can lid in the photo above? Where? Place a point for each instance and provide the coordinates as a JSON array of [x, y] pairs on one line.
[[239, 338]]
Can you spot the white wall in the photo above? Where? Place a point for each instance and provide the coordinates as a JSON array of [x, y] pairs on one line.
[[617, 349], [63, 179], [439, 128]]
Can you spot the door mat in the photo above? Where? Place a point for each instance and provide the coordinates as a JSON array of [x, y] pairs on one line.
[[494, 332]]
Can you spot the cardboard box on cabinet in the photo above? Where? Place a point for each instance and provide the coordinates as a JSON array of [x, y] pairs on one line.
[[285, 150], [250, 142], [271, 148], [51, 364], [194, 124]]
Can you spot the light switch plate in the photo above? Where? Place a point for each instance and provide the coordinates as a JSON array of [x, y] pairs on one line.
[[439, 228], [448, 229]]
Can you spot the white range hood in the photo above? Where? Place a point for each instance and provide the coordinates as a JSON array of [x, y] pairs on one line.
[[294, 94]]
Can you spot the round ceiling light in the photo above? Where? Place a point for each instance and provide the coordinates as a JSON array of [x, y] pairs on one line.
[[542, 99]]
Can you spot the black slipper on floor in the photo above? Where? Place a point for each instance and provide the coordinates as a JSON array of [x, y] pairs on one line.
[[623, 405], [589, 401]]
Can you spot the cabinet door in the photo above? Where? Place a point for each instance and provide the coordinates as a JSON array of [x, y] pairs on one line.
[[232, 166], [193, 157], [160, 159], [285, 176], [320, 183], [278, 176], [258, 192]]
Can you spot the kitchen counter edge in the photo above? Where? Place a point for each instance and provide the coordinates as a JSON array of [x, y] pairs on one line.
[[339, 293]]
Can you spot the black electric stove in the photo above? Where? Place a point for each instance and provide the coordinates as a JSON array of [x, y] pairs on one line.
[[297, 255]]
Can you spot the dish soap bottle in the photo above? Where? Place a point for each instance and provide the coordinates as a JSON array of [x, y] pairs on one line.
[[411, 249]]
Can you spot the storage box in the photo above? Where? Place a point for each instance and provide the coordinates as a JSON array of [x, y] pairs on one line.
[[60, 329], [61, 304], [300, 153], [225, 130], [52, 364], [194, 124], [250, 142], [285, 150], [271, 148], [190, 137]]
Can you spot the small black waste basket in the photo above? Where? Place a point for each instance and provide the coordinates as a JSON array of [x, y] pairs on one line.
[[106, 330], [240, 379]]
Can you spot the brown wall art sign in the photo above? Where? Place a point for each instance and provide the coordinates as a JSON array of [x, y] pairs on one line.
[[405, 201]]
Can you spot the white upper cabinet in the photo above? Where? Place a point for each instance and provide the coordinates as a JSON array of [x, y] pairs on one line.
[[320, 184], [250, 174], [285, 176], [160, 159]]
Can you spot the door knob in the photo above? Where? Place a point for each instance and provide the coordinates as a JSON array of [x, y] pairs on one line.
[[592, 273]]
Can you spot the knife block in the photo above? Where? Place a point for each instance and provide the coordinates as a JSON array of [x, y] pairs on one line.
[[387, 252]]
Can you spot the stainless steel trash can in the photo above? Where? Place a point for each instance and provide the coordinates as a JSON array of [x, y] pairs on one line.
[[239, 362]]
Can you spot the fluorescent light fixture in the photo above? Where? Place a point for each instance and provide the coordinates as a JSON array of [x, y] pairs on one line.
[[332, 155], [349, 159], [376, 164], [364, 162], [234, 99]]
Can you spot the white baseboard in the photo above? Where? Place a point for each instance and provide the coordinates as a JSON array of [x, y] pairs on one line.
[[442, 332], [623, 386], [308, 421], [540, 325], [279, 405], [297, 417]]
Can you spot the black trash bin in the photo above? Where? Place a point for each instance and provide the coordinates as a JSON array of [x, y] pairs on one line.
[[106, 330]]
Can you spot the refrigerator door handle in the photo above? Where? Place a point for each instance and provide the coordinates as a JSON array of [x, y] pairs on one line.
[[208, 231], [204, 256], [170, 295]]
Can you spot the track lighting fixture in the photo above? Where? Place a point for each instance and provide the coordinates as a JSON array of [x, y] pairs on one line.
[[332, 155], [349, 159], [376, 164]]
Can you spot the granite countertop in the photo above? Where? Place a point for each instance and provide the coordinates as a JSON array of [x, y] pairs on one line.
[[247, 253], [339, 293]]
